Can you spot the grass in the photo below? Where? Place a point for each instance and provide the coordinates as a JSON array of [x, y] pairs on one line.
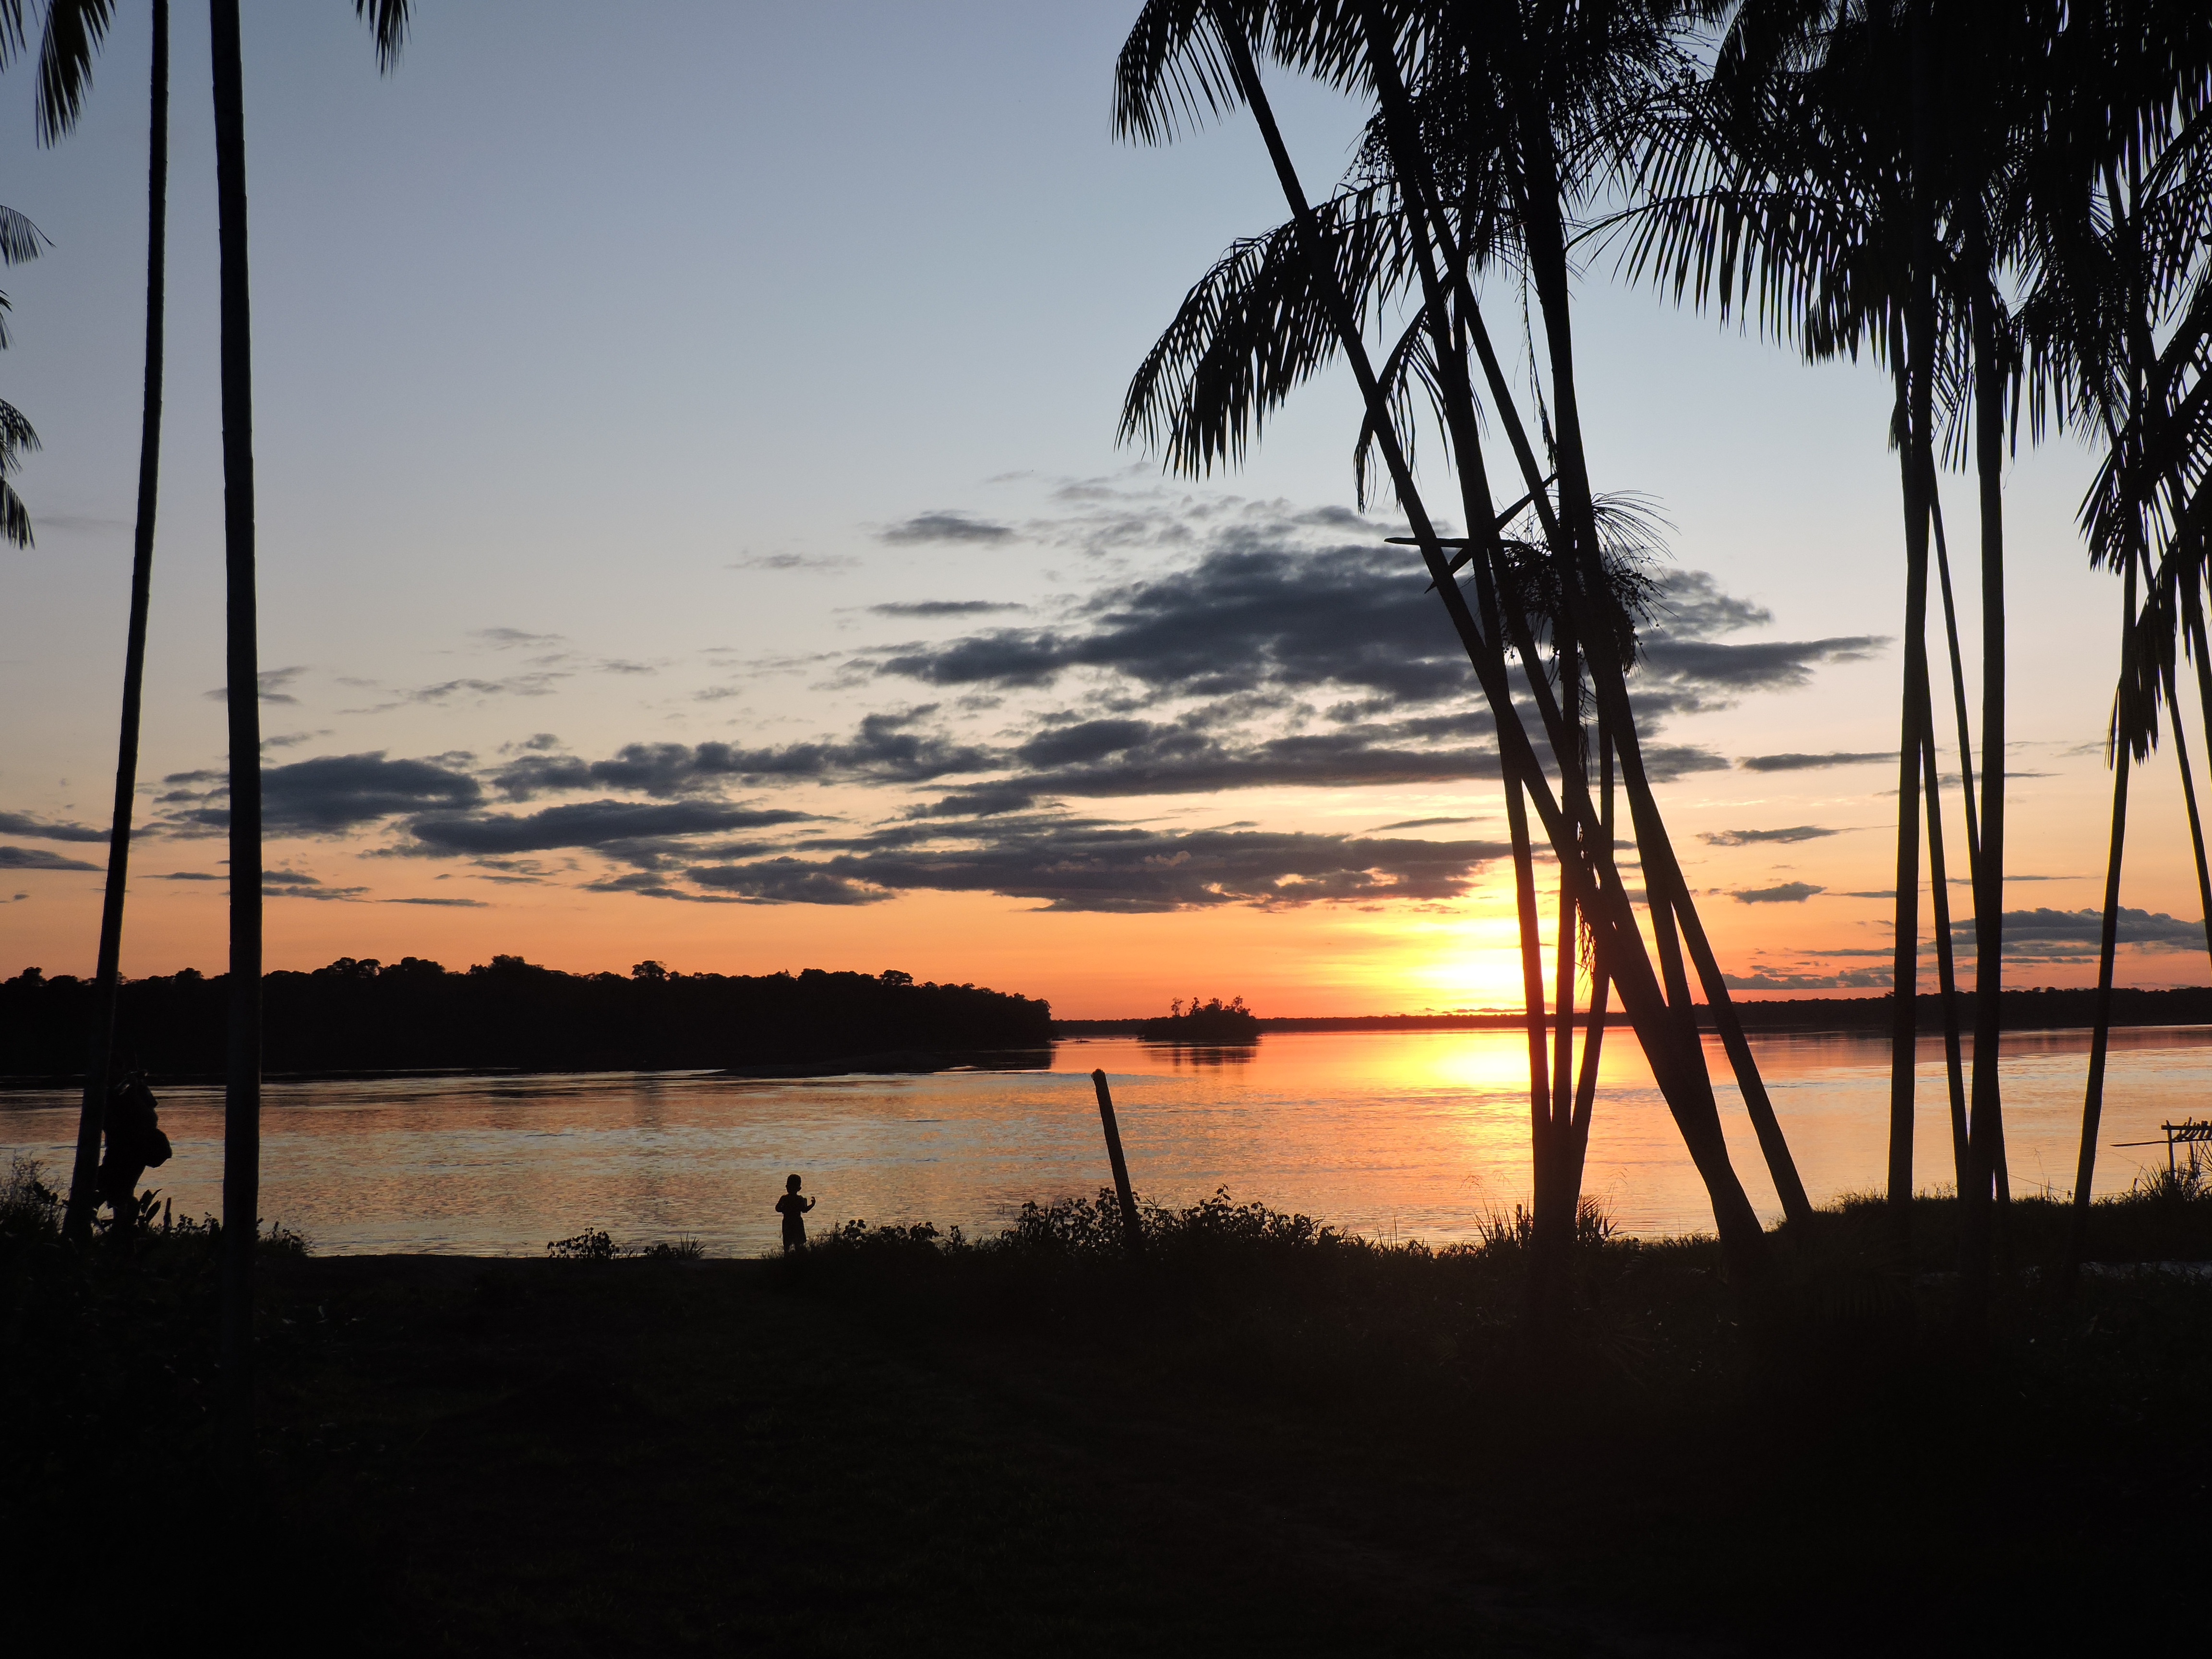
[[1263, 1435]]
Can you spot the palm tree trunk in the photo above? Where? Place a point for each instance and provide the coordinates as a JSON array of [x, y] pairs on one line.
[[1947, 975], [1532, 993], [2092, 1099], [1957, 676], [2193, 613], [241, 1136], [1904, 993], [1601, 984], [1737, 1224], [83, 1196], [1986, 1125]]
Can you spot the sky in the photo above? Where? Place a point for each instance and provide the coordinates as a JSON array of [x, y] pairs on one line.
[[692, 527]]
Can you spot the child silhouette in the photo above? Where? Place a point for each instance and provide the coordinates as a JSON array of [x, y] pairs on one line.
[[793, 1208]]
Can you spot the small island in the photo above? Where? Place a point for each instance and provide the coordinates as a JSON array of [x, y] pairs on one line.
[[1213, 1024]]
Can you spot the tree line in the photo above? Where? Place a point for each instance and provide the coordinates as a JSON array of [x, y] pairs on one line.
[[362, 1015]]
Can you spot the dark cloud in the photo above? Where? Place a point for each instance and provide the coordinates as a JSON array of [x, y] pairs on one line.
[[1090, 866], [795, 561], [36, 858], [786, 881], [38, 828], [1807, 763], [926, 608], [979, 803], [332, 792], [272, 682], [945, 525], [1262, 610], [454, 903], [190, 875], [2072, 932], [1790, 892], [295, 883], [884, 748], [1850, 979], [1420, 823], [597, 824], [1753, 837], [326, 795]]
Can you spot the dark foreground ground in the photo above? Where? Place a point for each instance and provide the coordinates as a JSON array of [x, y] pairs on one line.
[[1259, 1440]]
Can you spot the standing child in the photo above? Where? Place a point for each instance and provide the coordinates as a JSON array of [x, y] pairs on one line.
[[794, 1208]]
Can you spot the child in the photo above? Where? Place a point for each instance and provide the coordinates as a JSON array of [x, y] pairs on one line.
[[792, 1208]]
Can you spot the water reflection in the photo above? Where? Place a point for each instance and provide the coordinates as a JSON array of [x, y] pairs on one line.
[[1391, 1133]]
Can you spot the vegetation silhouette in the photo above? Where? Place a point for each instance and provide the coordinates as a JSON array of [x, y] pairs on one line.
[[414, 1014], [1478, 154], [74, 31], [1214, 1022], [1270, 1427]]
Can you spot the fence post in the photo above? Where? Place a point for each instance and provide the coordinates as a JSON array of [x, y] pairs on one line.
[[1130, 1227]]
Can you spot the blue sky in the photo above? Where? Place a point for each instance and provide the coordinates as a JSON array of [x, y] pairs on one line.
[[602, 353]]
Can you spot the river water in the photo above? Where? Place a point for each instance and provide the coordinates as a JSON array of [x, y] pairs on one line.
[[1393, 1135]]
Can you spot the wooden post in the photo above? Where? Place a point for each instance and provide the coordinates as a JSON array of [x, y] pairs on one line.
[[1130, 1226]]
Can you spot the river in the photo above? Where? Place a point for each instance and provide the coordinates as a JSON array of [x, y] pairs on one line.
[[1394, 1135]]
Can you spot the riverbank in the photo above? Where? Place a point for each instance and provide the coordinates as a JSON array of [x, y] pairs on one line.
[[1262, 1437]]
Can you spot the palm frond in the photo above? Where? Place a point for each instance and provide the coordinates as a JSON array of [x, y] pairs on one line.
[[389, 19], [75, 29]]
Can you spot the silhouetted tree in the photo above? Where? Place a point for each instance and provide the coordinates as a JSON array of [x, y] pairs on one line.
[[74, 31], [1482, 147]]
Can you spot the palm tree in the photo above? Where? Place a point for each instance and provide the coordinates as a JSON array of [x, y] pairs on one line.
[[1239, 345], [1860, 207], [2112, 212], [241, 1145], [73, 33]]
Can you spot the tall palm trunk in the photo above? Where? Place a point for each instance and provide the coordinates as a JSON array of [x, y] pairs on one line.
[[242, 1136], [2092, 1099], [1986, 1125], [1912, 746], [83, 1196], [1946, 976], [1736, 1221], [2192, 611]]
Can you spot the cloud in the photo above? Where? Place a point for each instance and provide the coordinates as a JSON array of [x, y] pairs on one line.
[[190, 875], [1091, 866], [794, 561], [600, 824], [332, 792], [2080, 933], [928, 608], [945, 525], [34, 857], [884, 748], [326, 795], [272, 682], [1753, 837], [1790, 892], [1807, 763], [38, 828], [506, 639], [454, 903], [1420, 823], [1263, 609], [1850, 979], [297, 884]]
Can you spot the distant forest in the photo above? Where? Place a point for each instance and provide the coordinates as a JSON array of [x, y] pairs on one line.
[[365, 1016]]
